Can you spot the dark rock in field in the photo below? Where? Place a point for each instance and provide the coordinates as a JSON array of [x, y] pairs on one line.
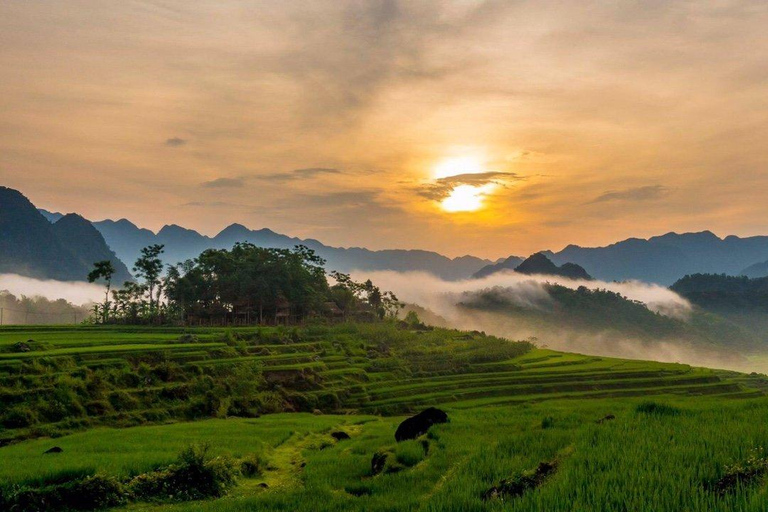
[[55, 449], [264, 485], [515, 487], [418, 425], [741, 477], [20, 346], [340, 436], [606, 418], [378, 462]]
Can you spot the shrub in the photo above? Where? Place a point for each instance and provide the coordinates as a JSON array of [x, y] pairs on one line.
[[194, 477], [19, 417], [252, 465], [657, 409]]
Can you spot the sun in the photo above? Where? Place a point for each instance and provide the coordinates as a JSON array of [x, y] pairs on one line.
[[458, 165], [462, 196]]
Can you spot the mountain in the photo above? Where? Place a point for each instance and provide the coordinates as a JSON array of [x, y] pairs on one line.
[[182, 244], [506, 264], [31, 245], [90, 246], [756, 271], [539, 264], [51, 216], [664, 259], [741, 300]]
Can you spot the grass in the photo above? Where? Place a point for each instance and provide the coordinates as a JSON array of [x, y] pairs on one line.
[[675, 430]]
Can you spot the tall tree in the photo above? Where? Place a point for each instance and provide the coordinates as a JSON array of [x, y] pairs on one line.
[[149, 267], [103, 270]]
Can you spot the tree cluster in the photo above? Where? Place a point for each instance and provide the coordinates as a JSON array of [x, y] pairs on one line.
[[242, 286]]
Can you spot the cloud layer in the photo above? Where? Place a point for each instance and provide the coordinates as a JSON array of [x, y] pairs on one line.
[[595, 108]]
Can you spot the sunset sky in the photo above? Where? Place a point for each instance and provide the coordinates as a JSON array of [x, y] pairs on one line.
[[490, 128]]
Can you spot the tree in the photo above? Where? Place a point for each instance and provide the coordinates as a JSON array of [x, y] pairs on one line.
[[103, 270], [149, 267]]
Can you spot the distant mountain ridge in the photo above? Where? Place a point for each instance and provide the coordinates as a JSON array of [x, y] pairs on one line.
[[666, 258], [182, 244], [31, 245]]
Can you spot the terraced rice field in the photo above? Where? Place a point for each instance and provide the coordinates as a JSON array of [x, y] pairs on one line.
[[510, 406]]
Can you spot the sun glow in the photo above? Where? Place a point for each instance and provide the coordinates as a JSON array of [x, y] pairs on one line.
[[456, 166], [465, 198]]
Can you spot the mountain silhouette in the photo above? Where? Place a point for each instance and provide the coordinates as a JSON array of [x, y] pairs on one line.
[[539, 264], [31, 245], [182, 244]]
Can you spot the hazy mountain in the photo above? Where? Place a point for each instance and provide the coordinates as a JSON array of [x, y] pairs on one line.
[[755, 271], [664, 259], [181, 244], [599, 313], [505, 264], [31, 245], [51, 216], [535, 264]]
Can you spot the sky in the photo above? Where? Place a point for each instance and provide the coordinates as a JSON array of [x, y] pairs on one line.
[[470, 127]]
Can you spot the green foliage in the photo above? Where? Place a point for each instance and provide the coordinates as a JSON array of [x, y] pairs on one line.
[[657, 409]]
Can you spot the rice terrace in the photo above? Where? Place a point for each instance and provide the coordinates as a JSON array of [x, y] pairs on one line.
[[292, 419]]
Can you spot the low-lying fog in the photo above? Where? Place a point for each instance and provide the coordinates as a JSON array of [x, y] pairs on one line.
[[75, 292], [441, 298]]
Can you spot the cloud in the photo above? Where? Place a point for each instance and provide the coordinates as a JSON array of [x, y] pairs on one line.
[[224, 183], [441, 188], [175, 142], [300, 174], [646, 193]]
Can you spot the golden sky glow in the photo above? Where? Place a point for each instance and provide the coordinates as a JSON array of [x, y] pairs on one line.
[[471, 126]]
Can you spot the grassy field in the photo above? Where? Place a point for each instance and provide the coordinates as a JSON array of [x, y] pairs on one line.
[[677, 438]]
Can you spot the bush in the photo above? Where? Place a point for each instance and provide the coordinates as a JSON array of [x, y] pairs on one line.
[[657, 409], [19, 417], [194, 477], [252, 465]]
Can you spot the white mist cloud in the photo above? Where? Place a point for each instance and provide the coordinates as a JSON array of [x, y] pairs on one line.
[[441, 297], [432, 292], [75, 292]]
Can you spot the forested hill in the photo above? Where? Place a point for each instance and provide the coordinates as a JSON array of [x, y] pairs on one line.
[[32, 246]]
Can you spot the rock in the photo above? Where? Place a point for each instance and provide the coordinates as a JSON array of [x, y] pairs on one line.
[[340, 436], [418, 425], [20, 346], [378, 462], [606, 418], [55, 449], [515, 487]]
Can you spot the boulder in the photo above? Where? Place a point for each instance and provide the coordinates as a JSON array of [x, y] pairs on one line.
[[418, 425], [378, 462], [55, 449]]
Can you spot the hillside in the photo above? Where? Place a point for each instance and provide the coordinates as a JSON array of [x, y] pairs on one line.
[[511, 408], [31, 246], [589, 313]]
